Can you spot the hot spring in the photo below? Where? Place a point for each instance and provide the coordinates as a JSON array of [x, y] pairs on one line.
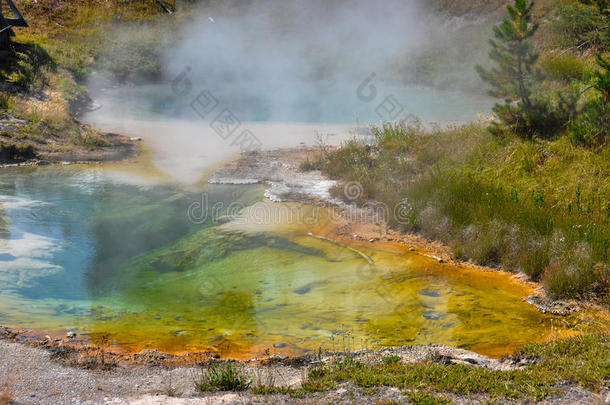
[[102, 250], [111, 249]]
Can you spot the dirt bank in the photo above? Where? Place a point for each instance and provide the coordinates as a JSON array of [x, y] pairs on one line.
[[19, 146]]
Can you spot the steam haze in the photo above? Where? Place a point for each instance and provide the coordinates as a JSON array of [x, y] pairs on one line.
[[289, 58], [286, 70]]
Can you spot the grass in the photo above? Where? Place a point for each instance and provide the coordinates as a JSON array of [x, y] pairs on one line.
[[42, 78], [580, 360], [424, 398], [541, 207], [222, 377], [565, 66], [391, 359]]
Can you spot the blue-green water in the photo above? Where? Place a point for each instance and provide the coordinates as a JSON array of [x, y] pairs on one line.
[[335, 103], [102, 251]]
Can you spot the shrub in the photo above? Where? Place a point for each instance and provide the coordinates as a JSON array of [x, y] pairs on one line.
[[545, 118], [580, 25], [223, 377], [592, 125], [566, 67]]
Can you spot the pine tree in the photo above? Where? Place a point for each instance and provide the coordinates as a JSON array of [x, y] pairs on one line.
[[514, 55], [514, 76]]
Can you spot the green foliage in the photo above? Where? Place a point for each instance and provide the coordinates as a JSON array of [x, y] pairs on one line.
[[516, 75], [578, 360], [270, 390], [391, 358], [348, 362], [135, 56], [567, 66], [592, 126], [425, 398], [514, 55], [602, 5], [544, 117], [6, 101], [70, 90], [580, 26], [25, 66], [583, 360], [223, 377], [602, 79]]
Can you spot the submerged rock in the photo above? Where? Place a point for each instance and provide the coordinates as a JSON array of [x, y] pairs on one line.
[[434, 316]]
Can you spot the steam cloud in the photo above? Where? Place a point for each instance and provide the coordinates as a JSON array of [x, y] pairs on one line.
[[297, 60], [288, 71]]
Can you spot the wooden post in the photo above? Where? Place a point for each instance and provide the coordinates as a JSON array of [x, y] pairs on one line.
[[7, 24]]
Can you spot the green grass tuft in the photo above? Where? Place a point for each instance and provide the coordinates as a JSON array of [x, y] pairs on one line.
[[424, 398], [224, 377]]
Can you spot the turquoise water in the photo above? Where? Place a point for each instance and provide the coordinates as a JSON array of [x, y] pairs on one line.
[[328, 103]]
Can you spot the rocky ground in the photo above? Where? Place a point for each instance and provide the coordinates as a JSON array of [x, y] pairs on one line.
[[36, 375]]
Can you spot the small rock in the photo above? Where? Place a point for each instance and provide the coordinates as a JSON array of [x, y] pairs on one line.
[[411, 249], [135, 139], [71, 334]]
